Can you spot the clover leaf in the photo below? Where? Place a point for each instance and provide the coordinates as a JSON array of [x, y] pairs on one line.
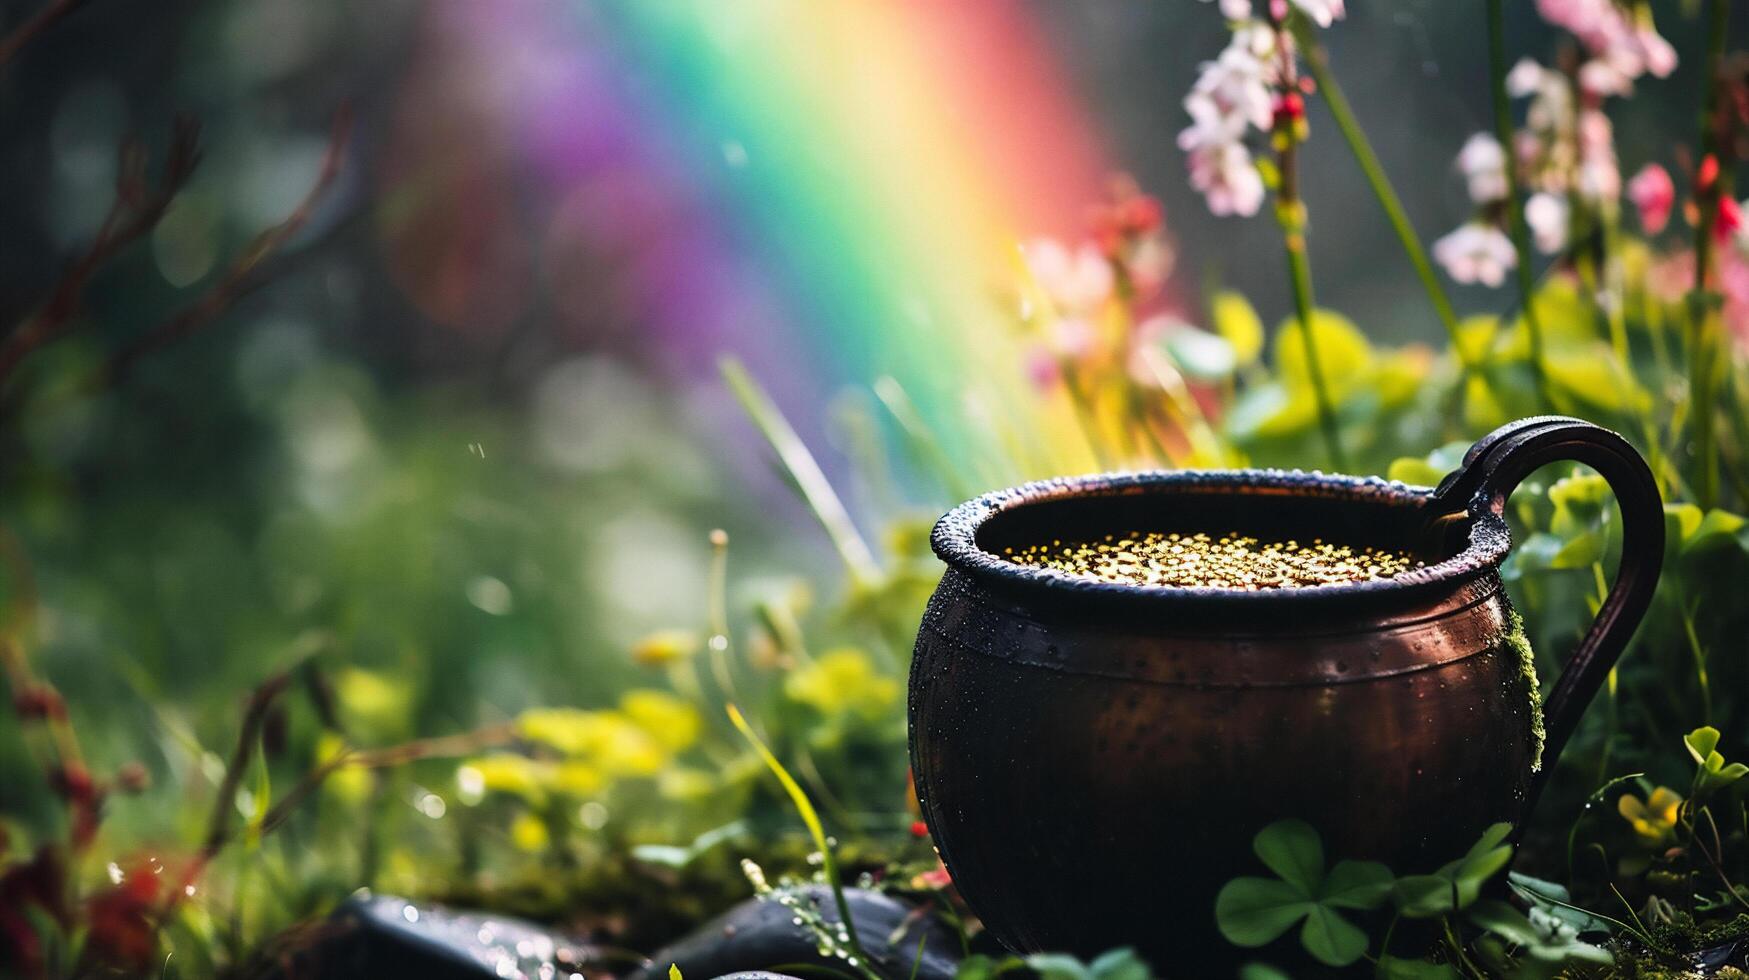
[[1712, 773], [1457, 884], [1253, 911], [1117, 964]]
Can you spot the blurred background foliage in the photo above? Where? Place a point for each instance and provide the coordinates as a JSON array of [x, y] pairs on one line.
[[461, 454]]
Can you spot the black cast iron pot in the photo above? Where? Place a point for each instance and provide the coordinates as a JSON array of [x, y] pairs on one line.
[[1093, 759]]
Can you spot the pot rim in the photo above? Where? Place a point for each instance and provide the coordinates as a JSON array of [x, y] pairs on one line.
[[955, 536]]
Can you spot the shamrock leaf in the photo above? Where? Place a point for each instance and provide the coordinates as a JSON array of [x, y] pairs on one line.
[[1457, 884], [1712, 773], [1253, 911]]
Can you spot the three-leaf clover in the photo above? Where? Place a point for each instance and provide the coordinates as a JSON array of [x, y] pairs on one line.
[[1712, 772], [1254, 911], [1457, 884]]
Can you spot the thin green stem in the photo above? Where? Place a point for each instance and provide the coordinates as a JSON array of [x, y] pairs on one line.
[[810, 482], [1514, 205], [1300, 275], [1361, 147], [1290, 214], [1701, 306]]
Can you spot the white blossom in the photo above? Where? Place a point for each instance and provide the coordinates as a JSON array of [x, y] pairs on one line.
[[1232, 89], [1322, 12], [1235, 9], [1482, 161], [1547, 215], [1223, 172], [1476, 252]]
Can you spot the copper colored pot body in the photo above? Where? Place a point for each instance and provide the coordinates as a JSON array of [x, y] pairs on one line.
[[1094, 759]]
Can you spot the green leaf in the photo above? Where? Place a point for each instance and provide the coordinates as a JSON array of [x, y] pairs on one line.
[[1414, 471], [1331, 939], [1235, 320], [1057, 966], [1291, 849], [1120, 964], [1554, 901], [1581, 551], [1485, 859], [1536, 553], [1344, 355], [1423, 896], [1581, 503], [1397, 968], [1262, 971], [1718, 527], [1594, 377], [1504, 921], [1701, 743], [1201, 355], [975, 967], [1254, 911], [1475, 337], [1357, 885]]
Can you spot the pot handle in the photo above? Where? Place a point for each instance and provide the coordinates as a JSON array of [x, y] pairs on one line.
[[1490, 471]]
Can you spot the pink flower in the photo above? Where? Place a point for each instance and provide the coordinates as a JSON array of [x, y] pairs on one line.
[[1476, 252], [1628, 42], [1223, 172], [1599, 174], [1654, 196], [1483, 164], [1231, 91]]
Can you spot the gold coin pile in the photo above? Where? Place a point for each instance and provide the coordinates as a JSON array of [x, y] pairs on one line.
[[1230, 561]]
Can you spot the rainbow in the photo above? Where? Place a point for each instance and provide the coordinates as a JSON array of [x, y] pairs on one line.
[[831, 191]]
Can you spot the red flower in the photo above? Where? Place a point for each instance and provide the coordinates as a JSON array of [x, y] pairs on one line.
[[1729, 220], [124, 929]]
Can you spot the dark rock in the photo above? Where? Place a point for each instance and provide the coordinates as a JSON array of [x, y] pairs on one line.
[[380, 936], [760, 935], [1718, 955]]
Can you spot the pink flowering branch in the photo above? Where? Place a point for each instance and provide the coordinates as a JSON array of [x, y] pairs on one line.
[[1290, 213]]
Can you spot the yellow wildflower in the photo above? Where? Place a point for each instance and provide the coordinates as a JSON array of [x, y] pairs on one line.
[[665, 647], [528, 833], [578, 778], [376, 705], [1654, 818], [628, 750], [348, 783], [501, 772], [667, 719], [842, 681]]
